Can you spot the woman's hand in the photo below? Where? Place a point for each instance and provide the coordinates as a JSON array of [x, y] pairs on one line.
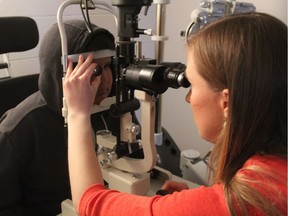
[[78, 88], [79, 91], [172, 186]]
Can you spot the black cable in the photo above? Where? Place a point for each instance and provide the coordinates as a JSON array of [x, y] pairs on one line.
[[87, 14], [87, 23]]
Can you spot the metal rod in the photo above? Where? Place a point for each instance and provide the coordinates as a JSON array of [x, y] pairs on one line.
[[160, 19]]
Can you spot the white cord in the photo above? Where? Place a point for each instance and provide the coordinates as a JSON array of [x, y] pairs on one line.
[[104, 122]]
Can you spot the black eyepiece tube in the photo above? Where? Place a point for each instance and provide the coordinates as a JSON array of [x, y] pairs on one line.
[[176, 78], [155, 79], [149, 78]]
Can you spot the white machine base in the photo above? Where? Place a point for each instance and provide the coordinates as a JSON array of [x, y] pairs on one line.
[[155, 185], [127, 182]]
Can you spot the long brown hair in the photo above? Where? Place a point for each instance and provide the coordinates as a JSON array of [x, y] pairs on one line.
[[247, 54]]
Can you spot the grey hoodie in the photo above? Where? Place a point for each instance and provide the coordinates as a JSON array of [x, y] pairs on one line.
[[79, 40], [34, 176]]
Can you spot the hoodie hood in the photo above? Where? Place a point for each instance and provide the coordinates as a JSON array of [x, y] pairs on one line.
[[79, 40]]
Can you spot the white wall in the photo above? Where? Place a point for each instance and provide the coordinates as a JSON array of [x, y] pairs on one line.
[[176, 114]]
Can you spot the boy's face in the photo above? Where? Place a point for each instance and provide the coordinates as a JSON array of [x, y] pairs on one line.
[[106, 79]]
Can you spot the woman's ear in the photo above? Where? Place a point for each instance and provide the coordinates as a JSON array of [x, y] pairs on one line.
[[225, 102]]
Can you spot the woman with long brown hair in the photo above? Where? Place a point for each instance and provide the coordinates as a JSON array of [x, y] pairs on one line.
[[245, 56]]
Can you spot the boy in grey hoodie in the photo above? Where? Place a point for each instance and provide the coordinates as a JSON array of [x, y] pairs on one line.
[[34, 176]]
